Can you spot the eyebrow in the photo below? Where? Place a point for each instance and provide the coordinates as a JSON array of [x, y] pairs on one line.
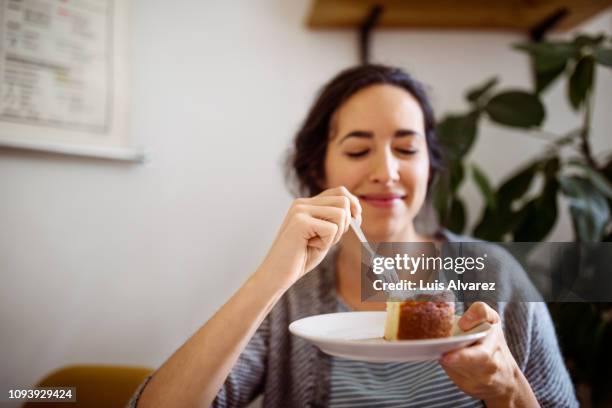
[[364, 134]]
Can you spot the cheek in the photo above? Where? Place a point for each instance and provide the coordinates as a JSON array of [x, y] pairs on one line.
[[415, 176], [341, 173]]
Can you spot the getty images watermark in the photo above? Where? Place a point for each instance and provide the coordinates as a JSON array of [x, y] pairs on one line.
[[517, 271]]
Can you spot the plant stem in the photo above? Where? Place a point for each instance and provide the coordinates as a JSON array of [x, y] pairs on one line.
[[543, 135], [585, 133]]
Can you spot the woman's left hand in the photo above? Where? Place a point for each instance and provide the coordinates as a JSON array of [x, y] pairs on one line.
[[487, 370]]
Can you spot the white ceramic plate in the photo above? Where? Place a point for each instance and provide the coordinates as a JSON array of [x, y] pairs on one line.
[[359, 336]]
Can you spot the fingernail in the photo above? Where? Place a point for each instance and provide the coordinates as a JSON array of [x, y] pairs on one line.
[[450, 359]]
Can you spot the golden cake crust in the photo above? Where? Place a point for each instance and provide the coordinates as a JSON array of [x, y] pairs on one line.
[[425, 316], [425, 320]]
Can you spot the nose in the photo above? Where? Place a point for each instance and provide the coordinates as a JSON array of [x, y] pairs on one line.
[[385, 168]]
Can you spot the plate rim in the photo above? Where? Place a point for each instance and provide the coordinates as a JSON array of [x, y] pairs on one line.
[[416, 342]]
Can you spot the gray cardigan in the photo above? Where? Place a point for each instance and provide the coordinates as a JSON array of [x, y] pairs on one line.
[[291, 372]]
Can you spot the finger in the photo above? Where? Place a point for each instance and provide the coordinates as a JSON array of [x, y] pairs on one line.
[[477, 313], [331, 201], [353, 205], [354, 201], [478, 353], [339, 201], [466, 360], [491, 342], [327, 213], [478, 357], [461, 379], [320, 233]]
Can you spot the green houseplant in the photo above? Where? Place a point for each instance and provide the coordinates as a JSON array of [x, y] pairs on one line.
[[524, 207]]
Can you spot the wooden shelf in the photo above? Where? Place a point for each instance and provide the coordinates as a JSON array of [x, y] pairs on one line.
[[511, 15]]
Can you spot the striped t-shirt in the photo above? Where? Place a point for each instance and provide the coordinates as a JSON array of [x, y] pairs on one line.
[[358, 384], [412, 384]]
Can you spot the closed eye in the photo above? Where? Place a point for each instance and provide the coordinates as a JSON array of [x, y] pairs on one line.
[[407, 152], [357, 154]]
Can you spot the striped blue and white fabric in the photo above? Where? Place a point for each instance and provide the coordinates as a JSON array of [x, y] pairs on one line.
[[356, 384]]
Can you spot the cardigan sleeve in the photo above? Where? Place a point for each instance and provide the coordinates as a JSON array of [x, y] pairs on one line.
[[545, 369], [246, 379], [530, 333], [244, 382]]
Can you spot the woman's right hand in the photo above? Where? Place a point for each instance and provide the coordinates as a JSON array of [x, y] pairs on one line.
[[310, 228]]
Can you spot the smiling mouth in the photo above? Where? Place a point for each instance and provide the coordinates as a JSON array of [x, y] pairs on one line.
[[383, 201]]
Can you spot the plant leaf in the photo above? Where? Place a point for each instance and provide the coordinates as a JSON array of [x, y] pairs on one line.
[[549, 55], [475, 94], [589, 40], [456, 219], [485, 187], [457, 133], [581, 81], [603, 56], [549, 61], [450, 209], [551, 167], [538, 216], [588, 208], [597, 179], [494, 224], [561, 48], [544, 78], [607, 169], [441, 195], [516, 108], [456, 175], [516, 186], [490, 227]]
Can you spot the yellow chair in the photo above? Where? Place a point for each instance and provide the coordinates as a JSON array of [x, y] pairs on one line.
[[96, 385]]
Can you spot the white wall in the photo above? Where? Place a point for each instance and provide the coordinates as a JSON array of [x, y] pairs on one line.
[[111, 263]]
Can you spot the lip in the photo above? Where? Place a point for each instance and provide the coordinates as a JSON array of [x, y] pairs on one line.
[[383, 200]]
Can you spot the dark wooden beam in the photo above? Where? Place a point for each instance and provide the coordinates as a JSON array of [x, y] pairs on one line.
[[539, 31], [365, 31]]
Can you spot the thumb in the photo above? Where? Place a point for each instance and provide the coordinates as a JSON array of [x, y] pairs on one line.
[[477, 313]]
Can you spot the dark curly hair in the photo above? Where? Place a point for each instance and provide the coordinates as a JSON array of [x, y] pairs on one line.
[[305, 168]]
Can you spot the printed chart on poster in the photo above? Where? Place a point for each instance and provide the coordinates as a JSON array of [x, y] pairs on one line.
[[63, 77]]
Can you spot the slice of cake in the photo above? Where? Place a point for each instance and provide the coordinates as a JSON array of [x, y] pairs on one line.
[[427, 316]]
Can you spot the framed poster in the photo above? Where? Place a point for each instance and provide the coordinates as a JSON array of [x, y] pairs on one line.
[[63, 67]]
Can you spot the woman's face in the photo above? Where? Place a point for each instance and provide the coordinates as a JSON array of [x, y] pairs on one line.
[[377, 149]]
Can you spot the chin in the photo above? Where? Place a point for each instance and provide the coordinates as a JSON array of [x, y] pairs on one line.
[[383, 230]]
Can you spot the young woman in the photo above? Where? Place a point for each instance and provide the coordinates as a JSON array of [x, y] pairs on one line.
[[367, 149]]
